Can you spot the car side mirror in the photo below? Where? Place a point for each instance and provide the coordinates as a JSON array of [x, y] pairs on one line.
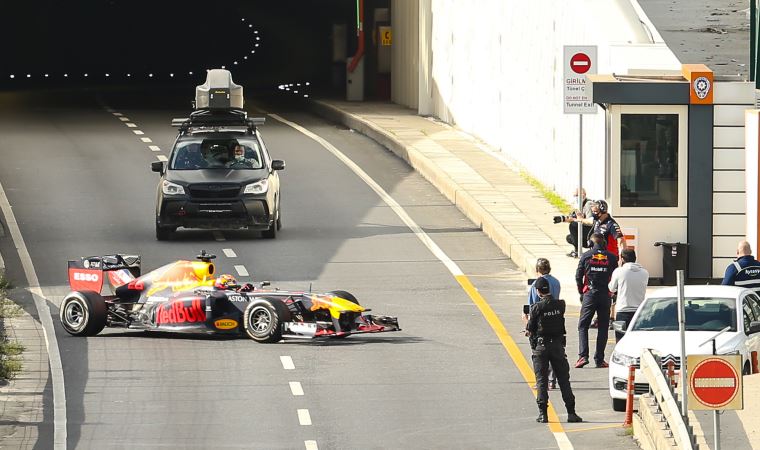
[[157, 166], [278, 164], [754, 327], [619, 326]]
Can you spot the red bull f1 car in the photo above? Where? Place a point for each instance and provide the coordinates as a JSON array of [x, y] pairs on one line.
[[185, 296]]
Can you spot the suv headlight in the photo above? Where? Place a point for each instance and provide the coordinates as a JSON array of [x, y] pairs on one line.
[[259, 187], [623, 359], [169, 188]]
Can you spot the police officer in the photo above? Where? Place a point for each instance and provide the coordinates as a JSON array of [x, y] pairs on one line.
[[592, 278], [745, 270], [546, 329]]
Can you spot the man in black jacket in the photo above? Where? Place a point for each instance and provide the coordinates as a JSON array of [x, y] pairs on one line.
[[546, 329], [593, 278]]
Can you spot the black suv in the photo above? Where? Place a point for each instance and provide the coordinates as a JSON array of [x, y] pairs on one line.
[[219, 176]]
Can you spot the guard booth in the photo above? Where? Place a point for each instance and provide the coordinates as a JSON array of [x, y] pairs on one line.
[[675, 165]]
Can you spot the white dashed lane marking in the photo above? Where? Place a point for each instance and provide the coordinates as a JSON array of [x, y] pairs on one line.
[[296, 388], [138, 132], [303, 417], [311, 445], [229, 253], [116, 113], [124, 119], [131, 125], [287, 363], [218, 236], [161, 158], [154, 148], [242, 271], [146, 140]]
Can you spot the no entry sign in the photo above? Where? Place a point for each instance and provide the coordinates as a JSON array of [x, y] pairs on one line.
[[579, 61], [715, 382]]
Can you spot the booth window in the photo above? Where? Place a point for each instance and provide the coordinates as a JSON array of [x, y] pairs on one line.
[[649, 160]]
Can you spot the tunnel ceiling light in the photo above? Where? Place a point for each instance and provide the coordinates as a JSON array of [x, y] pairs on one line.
[[298, 84], [85, 75], [29, 75], [245, 57], [306, 95], [307, 83], [150, 75], [107, 75], [295, 92], [253, 51], [243, 19], [258, 38], [255, 31], [224, 67], [129, 75], [13, 76], [190, 73], [47, 75], [171, 75], [250, 25], [65, 75], [257, 44]]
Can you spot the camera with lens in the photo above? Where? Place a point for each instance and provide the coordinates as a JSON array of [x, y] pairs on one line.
[[560, 219]]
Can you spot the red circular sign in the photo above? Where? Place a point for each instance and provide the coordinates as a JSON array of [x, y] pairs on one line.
[[580, 63], [714, 382]]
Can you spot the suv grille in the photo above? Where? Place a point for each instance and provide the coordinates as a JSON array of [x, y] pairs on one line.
[[214, 190]]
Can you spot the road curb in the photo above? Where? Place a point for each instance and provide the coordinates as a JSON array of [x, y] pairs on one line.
[[471, 208]]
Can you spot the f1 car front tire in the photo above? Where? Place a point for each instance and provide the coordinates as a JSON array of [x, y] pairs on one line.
[[263, 320], [83, 313]]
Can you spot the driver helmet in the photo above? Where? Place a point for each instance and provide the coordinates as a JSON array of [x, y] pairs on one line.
[[225, 281]]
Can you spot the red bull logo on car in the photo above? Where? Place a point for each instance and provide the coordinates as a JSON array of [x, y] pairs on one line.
[[178, 312]]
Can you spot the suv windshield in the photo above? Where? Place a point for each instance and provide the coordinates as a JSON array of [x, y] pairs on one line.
[[702, 314], [217, 153]]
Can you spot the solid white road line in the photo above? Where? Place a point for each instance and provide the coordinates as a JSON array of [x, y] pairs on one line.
[[131, 125], [146, 140], [218, 236], [154, 148], [311, 445], [162, 158], [138, 132], [124, 119], [561, 438], [241, 270], [296, 388], [287, 363], [229, 253], [43, 312], [303, 417]]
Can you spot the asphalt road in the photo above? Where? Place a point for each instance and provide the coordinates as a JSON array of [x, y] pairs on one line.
[[80, 184]]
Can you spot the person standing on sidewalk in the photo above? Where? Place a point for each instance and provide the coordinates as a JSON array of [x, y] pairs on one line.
[[546, 330], [630, 282], [575, 220], [543, 269], [745, 270], [592, 278]]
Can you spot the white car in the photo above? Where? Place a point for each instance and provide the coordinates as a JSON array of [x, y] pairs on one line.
[[709, 309]]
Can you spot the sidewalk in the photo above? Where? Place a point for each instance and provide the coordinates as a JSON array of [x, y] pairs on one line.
[[480, 182]]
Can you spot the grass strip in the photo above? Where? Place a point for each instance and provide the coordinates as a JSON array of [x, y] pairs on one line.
[[10, 351]]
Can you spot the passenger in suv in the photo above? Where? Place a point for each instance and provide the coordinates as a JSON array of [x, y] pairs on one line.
[[219, 176]]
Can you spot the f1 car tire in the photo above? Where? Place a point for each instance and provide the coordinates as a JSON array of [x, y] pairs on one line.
[[263, 320], [345, 295], [83, 313]]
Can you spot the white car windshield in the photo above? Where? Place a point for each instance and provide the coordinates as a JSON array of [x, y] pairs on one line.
[[215, 153], [702, 314]]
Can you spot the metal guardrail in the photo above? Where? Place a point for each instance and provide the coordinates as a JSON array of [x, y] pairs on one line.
[[662, 392]]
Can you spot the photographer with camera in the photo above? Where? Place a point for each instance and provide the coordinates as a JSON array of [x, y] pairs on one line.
[[575, 219]]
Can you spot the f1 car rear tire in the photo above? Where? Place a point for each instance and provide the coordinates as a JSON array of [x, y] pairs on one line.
[[83, 313], [263, 320], [345, 295]]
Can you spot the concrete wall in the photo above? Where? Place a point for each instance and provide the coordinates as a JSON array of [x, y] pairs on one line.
[[494, 69]]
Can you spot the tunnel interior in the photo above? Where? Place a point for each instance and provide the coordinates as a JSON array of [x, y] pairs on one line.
[[265, 44]]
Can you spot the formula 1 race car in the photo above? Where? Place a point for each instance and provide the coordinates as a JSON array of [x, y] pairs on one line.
[[185, 296]]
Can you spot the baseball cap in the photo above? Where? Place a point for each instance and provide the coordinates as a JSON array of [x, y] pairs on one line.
[[542, 286]]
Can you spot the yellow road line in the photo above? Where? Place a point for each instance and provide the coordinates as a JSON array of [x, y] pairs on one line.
[[509, 345], [600, 427]]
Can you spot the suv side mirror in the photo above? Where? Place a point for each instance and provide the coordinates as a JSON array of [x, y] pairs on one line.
[[278, 164], [619, 326], [157, 166], [754, 327]]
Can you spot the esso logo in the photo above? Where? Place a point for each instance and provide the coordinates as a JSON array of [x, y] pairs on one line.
[[86, 276]]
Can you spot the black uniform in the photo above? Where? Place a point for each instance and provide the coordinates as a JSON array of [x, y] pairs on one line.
[[593, 278], [547, 339]]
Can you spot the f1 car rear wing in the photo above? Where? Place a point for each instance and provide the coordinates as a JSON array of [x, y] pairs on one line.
[[87, 273], [208, 118]]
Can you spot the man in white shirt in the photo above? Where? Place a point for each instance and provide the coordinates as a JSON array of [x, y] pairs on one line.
[[630, 282]]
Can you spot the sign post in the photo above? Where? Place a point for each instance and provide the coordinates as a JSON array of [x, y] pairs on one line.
[[579, 61]]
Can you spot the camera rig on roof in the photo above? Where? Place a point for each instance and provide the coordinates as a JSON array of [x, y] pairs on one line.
[[218, 103]]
